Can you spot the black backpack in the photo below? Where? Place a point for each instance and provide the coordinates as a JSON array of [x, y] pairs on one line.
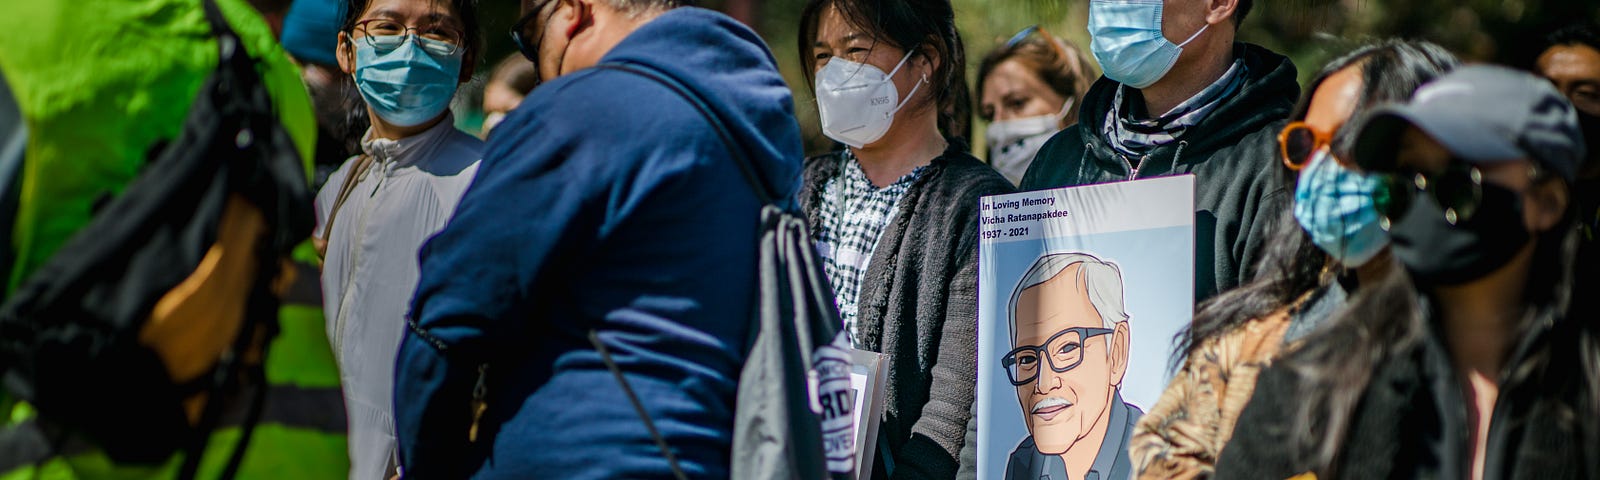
[[69, 334], [797, 357]]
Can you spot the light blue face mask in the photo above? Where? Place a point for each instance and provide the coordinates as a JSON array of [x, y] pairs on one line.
[[1125, 36], [411, 83], [1334, 205]]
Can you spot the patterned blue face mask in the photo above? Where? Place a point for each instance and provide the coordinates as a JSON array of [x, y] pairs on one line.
[[1125, 36], [408, 84], [1334, 205]]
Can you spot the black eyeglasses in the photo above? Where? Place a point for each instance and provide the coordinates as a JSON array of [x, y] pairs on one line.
[[1064, 352], [529, 51], [385, 35]]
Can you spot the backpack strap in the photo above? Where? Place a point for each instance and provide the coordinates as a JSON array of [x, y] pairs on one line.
[[746, 169], [788, 265], [232, 58], [351, 178]]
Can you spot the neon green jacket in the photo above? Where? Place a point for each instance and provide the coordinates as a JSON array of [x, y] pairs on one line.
[[99, 83]]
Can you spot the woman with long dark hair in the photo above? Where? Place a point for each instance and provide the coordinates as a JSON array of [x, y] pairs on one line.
[[1464, 365], [895, 213], [1325, 248]]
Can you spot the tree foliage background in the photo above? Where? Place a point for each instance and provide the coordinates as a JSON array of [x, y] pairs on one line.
[[1308, 31]]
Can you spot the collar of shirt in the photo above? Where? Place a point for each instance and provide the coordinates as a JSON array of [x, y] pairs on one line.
[[1113, 445], [856, 178], [392, 154], [1131, 130]]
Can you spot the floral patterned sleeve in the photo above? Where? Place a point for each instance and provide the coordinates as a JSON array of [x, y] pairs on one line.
[[1183, 434]]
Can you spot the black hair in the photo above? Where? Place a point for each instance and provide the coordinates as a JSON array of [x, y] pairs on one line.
[[1584, 33], [1291, 264], [1241, 11], [911, 25], [465, 10]]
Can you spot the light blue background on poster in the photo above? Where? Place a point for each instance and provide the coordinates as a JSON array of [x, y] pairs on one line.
[[1158, 289]]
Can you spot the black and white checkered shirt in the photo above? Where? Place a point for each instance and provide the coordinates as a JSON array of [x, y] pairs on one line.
[[854, 214]]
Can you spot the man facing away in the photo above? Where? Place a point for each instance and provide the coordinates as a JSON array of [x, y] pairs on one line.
[[1070, 340], [1206, 105], [605, 203]]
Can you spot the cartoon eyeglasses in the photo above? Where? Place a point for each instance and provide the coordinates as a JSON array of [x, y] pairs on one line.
[[1064, 351]]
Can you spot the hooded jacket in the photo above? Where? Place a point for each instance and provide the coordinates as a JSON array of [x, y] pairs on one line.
[[1411, 420], [1232, 153], [606, 202]]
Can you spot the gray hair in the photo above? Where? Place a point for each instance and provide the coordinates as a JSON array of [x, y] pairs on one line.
[[634, 8], [1102, 281]]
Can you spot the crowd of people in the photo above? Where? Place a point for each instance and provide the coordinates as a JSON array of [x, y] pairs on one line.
[[260, 245]]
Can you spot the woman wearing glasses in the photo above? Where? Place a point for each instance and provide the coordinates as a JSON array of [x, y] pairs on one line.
[[1028, 89], [1323, 250], [895, 213], [1465, 366], [407, 58]]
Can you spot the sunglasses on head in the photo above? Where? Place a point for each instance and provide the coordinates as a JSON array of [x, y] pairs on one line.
[[1032, 30]]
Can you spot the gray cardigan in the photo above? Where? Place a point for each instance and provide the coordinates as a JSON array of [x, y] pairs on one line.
[[918, 306]]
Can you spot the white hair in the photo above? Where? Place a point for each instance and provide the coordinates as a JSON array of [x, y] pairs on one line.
[[1102, 281], [634, 8]]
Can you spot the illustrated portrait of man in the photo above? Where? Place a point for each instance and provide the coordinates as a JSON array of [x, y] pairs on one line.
[[1069, 352]]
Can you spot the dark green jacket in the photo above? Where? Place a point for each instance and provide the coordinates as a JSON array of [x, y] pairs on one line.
[[1233, 155]]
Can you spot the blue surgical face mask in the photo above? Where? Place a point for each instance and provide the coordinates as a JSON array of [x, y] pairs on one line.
[[1334, 205], [1125, 36], [410, 84]]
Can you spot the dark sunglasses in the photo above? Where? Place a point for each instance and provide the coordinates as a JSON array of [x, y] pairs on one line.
[[1458, 189]]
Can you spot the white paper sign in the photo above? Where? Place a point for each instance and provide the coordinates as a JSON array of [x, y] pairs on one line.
[[1080, 292]]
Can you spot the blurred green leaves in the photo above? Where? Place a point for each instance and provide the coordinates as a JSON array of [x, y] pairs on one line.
[[1308, 31]]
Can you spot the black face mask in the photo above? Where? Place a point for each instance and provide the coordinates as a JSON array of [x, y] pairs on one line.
[[1437, 253]]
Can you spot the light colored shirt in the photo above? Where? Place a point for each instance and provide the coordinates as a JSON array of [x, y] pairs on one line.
[[370, 269], [853, 216]]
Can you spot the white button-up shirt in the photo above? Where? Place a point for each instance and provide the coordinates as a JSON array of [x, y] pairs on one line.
[[370, 271]]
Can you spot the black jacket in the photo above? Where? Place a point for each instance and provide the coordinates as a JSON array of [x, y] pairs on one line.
[[1233, 154], [919, 306], [1411, 420]]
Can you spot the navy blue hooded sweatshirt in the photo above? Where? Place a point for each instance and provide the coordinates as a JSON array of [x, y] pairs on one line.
[[604, 201]]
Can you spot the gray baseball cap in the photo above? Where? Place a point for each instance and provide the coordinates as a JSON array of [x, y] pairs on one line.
[[1482, 114]]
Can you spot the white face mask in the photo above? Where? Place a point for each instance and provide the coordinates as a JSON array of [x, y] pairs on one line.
[[857, 101], [1013, 143]]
